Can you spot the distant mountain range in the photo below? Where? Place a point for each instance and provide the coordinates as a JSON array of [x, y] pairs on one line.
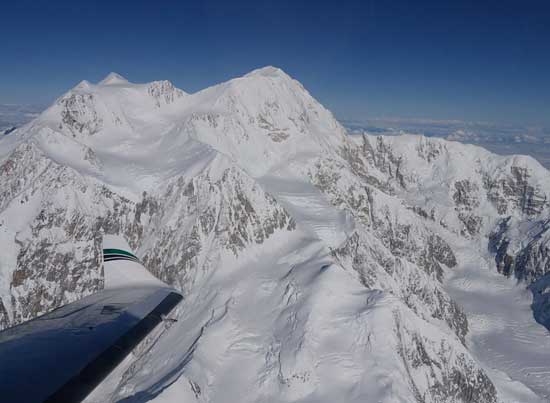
[[501, 139]]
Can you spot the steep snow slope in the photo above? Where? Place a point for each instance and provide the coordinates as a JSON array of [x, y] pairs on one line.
[[315, 267]]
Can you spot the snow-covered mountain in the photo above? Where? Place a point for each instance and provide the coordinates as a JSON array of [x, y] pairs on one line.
[[315, 266]]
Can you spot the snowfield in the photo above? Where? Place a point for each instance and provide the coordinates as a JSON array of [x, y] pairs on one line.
[[315, 266]]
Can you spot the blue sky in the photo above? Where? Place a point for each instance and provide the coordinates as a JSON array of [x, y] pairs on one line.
[[438, 60]]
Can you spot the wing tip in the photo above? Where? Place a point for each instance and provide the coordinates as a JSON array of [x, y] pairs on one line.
[[122, 268]]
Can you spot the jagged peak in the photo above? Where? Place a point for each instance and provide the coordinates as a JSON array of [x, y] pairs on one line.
[[113, 78], [165, 85], [164, 90]]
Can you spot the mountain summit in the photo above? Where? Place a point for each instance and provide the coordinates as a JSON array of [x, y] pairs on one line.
[[113, 78], [315, 266], [268, 71]]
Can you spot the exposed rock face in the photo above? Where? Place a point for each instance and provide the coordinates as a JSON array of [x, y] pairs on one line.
[[527, 259], [164, 92], [455, 379], [498, 244], [79, 114], [466, 198], [46, 276], [515, 191], [378, 268], [466, 195], [199, 218], [522, 250], [355, 198], [383, 158]]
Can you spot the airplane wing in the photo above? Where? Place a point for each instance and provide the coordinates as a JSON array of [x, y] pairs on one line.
[[63, 355]]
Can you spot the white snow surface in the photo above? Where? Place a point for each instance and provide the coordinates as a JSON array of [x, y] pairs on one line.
[[503, 334], [283, 320]]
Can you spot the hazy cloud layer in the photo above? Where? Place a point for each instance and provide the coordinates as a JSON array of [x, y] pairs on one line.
[[12, 115]]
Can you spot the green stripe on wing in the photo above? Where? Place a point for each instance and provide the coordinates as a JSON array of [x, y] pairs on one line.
[[107, 252]]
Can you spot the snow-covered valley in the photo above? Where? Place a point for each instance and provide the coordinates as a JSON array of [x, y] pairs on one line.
[[503, 333], [315, 266]]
